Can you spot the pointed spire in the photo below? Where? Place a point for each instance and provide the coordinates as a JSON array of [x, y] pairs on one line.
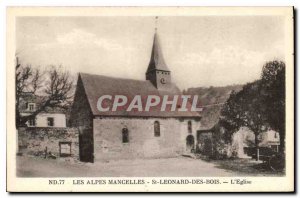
[[157, 61], [158, 73]]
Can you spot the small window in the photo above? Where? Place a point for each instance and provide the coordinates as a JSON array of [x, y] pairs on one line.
[[156, 129], [31, 122], [190, 126], [31, 106], [275, 135], [125, 135], [50, 121]]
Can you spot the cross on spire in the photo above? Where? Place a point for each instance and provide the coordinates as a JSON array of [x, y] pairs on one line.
[[157, 61], [158, 73], [156, 18]]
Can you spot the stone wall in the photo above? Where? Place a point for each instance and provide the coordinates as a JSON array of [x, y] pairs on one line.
[[142, 141], [81, 115], [33, 141]]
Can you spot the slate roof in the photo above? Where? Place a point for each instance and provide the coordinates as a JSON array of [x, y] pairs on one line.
[[210, 116], [98, 85], [157, 61], [212, 99]]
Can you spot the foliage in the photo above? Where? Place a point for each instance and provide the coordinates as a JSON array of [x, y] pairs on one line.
[[244, 109], [260, 105], [221, 144], [273, 86], [228, 118]]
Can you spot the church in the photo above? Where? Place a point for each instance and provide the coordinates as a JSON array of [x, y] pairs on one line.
[[125, 134]]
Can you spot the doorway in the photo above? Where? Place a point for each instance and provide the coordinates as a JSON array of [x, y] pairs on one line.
[[86, 146], [190, 143]]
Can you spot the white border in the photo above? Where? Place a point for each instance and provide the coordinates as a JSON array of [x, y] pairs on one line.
[[4, 3]]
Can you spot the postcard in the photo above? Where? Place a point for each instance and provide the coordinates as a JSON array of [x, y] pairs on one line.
[[150, 99]]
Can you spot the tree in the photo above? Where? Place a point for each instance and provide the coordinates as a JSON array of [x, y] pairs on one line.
[[27, 80], [54, 86], [228, 118], [244, 109], [273, 98], [259, 105]]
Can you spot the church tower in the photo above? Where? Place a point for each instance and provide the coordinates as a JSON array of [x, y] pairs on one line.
[[158, 72]]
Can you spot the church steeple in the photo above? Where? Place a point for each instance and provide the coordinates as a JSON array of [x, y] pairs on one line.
[[157, 60], [158, 72]]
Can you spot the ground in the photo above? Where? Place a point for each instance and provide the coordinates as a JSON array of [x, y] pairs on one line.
[[248, 167], [168, 167]]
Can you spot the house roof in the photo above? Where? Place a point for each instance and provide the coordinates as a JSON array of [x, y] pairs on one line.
[[210, 116], [157, 61], [98, 85], [38, 100], [212, 99]]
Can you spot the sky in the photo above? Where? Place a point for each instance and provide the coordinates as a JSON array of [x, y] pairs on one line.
[[200, 51]]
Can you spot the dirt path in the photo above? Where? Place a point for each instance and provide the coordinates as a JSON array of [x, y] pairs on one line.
[[170, 167]]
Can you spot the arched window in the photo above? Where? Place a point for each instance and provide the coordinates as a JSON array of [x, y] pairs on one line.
[[125, 135], [190, 126], [156, 129]]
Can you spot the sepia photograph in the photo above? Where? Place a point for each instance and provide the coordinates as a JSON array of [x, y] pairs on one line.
[[153, 96]]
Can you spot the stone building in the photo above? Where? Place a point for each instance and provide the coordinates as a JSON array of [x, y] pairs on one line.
[[132, 134], [47, 132], [243, 142], [210, 137]]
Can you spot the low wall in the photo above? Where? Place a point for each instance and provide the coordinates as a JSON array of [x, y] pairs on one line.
[[34, 141]]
